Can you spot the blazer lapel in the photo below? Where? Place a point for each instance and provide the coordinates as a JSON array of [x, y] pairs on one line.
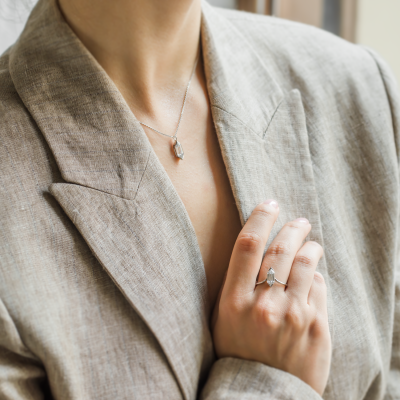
[[149, 248], [118, 194], [116, 191], [274, 164], [262, 131]]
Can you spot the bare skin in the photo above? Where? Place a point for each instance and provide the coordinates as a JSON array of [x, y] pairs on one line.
[[151, 72], [286, 328], [148, 48]]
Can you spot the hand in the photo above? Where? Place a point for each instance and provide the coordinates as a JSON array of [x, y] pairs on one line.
[[283, 327]]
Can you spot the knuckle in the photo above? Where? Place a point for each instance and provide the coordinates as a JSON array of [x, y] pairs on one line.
[[304, 260], [318, 278], [231, 309], [317, 246], [295, 225], [265, 317], [264, 211], [249, 242], [296, 318], [318, 329], [279, 249], [319, 287]]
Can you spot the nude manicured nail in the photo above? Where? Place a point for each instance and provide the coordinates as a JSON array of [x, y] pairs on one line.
[[271, 202], [303, 220]]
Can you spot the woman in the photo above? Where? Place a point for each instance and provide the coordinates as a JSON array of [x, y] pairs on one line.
[[119, 224]]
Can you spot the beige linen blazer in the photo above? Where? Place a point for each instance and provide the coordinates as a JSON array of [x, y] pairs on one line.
[[102, 284]]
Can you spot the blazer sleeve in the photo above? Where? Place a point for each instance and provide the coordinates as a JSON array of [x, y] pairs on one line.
[[236, 379], [21, 375], [393, 95]]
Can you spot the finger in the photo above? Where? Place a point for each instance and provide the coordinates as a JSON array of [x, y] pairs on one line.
[[317, 300], [283, 249], [302, 273], [249, 247], [317, 293]]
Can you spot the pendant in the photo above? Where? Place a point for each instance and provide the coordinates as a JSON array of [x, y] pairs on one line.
[[178, 149]]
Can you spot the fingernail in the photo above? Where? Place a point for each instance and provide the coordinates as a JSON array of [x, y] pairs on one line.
[[271, 202], [303, 220]]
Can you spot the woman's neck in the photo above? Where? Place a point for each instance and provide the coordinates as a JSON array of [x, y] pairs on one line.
[[147, 47]]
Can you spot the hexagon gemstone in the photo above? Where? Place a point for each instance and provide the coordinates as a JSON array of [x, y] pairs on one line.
[[178, 150], [270, 276]]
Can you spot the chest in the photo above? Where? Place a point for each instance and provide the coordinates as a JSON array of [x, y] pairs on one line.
[[203, 185]]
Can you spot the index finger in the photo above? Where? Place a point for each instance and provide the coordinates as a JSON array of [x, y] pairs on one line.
[[249, 247]]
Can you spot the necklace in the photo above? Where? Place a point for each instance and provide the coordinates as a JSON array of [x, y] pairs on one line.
[[178, 149]]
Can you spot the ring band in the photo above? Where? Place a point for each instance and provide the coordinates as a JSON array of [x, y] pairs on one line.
[[270, 279]]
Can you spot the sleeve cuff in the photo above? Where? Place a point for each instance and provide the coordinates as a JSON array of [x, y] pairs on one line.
[[233, 378]]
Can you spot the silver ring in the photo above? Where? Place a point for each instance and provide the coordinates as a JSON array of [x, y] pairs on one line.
[[270, 279]]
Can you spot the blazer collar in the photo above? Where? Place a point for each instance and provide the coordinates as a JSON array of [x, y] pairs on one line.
[[118, 194]]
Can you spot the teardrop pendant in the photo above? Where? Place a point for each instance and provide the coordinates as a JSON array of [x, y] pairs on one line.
[[178, 149]]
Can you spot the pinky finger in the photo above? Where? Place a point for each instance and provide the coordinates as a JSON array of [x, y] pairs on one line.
[[317, 300], [317, 295]]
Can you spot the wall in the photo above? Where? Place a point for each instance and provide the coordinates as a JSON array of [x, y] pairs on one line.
[[378, 26], [9, 31]]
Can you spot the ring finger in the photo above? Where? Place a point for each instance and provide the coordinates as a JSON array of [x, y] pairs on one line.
[[302, 273], [283, 249]]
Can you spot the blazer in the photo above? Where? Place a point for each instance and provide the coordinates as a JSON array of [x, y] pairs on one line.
[[102, 282]]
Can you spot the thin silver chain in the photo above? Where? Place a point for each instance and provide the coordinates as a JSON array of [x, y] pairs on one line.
[[183, 106]]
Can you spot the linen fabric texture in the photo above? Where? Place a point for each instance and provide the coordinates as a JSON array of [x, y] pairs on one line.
[[102, 284]]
